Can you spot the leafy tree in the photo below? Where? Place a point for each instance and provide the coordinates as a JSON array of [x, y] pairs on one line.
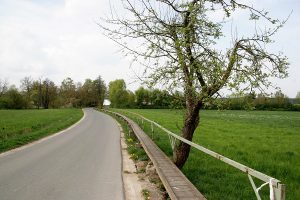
[[79, 95], [177, 44], [26, 87], [91, 93], [118, 95], [36, 93], [45, 94], [68, 91], [100, 90], [3, 90], [3, 87], [12, 99], [298, 97], [280, 100], [238, 101], [48, 93], [261, 102], [142, 97], [130, 99], [156, 98], [166, 99], [88, 93], [160, 99], [178, 100]]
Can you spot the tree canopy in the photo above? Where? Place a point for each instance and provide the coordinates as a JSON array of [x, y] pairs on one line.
[[118, 95], [46, 94]]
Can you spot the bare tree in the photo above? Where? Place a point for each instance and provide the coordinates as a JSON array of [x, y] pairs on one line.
[[298, 97], [100, 90], [26, 86], [68, 91], [178, 45], [40, 93], [3, 87], [48, 93]]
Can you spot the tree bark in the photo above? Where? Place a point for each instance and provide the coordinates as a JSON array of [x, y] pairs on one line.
[[192, 119]]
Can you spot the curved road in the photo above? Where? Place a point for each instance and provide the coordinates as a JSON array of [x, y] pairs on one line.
[[83, 163]]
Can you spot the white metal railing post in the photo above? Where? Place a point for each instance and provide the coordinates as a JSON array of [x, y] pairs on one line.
[[254, 187], [279, 191], [152, 129]]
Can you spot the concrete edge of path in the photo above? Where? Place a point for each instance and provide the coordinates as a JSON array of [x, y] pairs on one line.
[[131, 186], [133, 182], [6, 153]]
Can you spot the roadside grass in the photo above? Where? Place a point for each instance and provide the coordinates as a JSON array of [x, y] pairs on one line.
[[146, 194], [137, 153], [267, 141], [134, 148], [19, 127]]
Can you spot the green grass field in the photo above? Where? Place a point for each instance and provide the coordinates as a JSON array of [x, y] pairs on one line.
[[19, 127], [267, 141]]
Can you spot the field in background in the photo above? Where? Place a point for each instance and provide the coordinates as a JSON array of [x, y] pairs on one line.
[[19, 127], [267, 141]]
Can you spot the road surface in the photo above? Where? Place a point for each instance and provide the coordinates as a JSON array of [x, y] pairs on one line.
[[83, 163]]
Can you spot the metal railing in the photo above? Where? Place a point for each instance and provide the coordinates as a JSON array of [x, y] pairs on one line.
[[277, 189]]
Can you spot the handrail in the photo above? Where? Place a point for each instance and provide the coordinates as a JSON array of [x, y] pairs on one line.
[[277, 189], [175, 182]]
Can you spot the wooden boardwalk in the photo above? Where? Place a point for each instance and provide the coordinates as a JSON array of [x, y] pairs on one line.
[[175, 182]]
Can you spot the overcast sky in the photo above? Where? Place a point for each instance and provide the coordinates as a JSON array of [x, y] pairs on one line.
[[56, 39]]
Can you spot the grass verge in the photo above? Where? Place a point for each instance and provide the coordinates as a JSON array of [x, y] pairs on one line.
[[146, 194], [134, 148], [19, 127]]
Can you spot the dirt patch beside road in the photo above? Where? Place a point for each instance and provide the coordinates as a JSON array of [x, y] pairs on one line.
[[140, 178]]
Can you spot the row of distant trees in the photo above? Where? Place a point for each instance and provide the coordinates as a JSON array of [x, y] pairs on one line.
[[44, 93], [121, 97], [277, 101]]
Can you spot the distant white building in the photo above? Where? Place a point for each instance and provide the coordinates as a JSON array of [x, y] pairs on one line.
[[106, 102]]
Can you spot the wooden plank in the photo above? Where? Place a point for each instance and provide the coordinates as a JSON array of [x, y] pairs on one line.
[[175, 182]]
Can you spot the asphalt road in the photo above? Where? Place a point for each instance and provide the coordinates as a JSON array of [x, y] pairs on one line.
[[83, 163]]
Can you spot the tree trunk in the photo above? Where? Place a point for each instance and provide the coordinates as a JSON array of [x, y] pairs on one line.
[[182, 150]]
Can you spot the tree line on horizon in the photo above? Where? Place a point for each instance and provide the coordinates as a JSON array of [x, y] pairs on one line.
[[121, 97], [45, 94]]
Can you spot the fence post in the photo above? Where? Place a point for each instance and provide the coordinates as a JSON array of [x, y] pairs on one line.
[[128, 129], [279, 191], [143, 123], [152, 129]]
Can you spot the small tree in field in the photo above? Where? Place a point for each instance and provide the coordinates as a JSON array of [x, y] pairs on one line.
[[118, 95], [178, 44], [67, 91], [100, 90], [3, 87], [298, 97]]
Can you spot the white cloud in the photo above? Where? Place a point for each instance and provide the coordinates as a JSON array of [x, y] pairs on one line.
[[56, 41], [59, 39]]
